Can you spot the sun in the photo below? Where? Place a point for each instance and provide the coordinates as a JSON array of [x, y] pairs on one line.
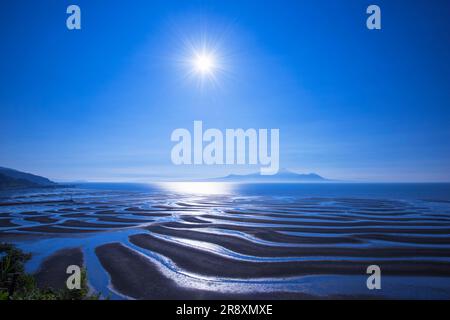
[[204, 63]]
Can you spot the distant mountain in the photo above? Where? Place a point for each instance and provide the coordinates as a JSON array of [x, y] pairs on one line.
[[10, 178], [282, 176]]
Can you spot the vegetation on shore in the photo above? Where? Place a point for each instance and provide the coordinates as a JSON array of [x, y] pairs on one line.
[[13, 179], [16, 284]]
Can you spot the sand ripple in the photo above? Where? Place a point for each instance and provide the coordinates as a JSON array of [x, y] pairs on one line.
[[229, 239]]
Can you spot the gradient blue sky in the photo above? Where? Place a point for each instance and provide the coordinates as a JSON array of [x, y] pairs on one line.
[[100, 103]]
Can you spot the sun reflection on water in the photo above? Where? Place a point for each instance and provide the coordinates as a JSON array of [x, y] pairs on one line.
[[201, 188]]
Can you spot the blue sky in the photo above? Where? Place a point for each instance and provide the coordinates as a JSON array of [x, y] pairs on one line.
[[100, 103]]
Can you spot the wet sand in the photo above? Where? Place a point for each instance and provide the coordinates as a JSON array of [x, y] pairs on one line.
[[206, 263], [53, 229], [268, 234], [143, 280], [6, 223], [243, 240], [43, 220], [253, 249], [52, 272]]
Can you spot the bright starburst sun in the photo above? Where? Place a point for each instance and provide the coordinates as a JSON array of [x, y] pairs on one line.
[[204, 63], [205, 66]]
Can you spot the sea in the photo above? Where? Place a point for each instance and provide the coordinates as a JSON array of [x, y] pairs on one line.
[[325, 235]]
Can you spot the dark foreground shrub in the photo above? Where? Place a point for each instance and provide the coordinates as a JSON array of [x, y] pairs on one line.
[[16, 284]]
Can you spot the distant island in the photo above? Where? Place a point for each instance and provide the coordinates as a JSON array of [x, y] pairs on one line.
[[14, 179], [11, 179], [283, 175]]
